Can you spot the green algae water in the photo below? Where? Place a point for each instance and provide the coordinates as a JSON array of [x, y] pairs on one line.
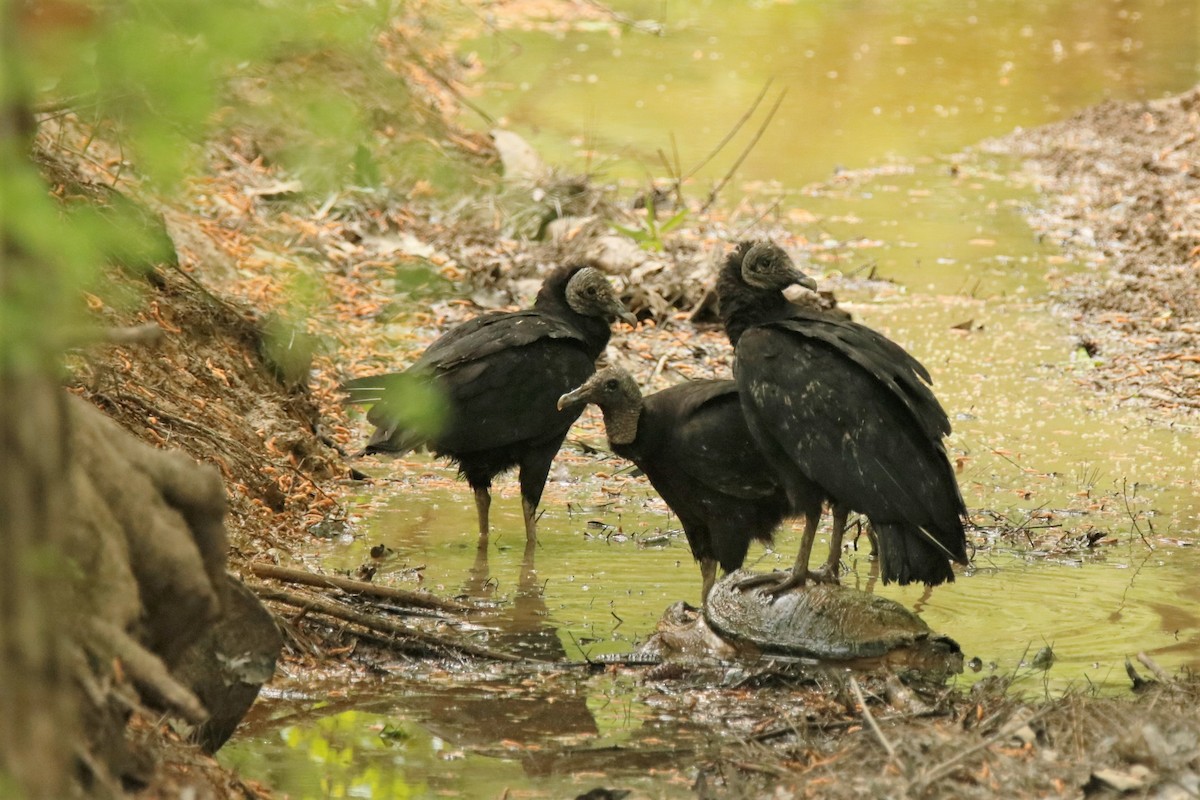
[[862, 82]]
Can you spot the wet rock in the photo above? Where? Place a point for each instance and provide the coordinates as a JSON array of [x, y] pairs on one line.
[[229, 664], [521, 162]]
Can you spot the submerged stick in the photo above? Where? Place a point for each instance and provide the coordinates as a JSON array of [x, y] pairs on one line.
[[378, 624], [306, 578]]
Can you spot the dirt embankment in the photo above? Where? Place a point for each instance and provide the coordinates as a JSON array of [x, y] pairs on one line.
[[1122, 182]]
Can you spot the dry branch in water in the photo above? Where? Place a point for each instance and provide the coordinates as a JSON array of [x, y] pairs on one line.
[[1153, 666], [309, 603], [712, 196], [305, 578]]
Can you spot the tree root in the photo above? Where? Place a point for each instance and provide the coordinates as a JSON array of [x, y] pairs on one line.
[[305, 578], [310, 603], [147, 671]]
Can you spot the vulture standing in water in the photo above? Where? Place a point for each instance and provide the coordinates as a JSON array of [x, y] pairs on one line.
[[692, 443], [845, 414], [494, 383]]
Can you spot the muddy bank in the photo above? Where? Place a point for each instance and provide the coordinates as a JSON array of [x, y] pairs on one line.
[[1122, 188], [1071, 747]]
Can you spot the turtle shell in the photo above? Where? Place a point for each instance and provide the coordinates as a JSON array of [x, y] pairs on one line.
[[818, 620]]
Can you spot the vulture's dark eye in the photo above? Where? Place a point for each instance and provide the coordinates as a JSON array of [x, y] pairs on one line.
[[611, 384]]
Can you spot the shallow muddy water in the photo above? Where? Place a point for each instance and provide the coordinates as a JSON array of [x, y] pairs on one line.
[[863, 81], [1044, 460]]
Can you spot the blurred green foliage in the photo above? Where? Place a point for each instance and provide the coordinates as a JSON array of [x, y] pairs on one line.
[[416, 404], [304, 85], [159, 69]]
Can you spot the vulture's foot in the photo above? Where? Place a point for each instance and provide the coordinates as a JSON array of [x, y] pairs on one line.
[[777, 583], [826, 573]]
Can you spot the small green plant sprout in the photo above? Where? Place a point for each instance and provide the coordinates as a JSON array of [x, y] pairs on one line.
[[650, 235]]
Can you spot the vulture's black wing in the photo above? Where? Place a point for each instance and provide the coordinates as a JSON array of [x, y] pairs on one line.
[[709, 440], [854, 414]]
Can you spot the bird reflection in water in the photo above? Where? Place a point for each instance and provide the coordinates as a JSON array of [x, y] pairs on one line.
[[524, 626]]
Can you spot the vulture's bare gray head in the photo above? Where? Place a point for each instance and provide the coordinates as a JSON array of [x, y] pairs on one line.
[[767, 266], [589, 293], [612, 388], [617, 395]]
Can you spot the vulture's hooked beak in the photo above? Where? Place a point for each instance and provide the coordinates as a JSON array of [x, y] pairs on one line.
[[800, 279], [625, 314], [570, 398]]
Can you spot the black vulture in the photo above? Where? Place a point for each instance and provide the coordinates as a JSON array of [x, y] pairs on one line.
[[844, 414], [692, 443], [494, 382]]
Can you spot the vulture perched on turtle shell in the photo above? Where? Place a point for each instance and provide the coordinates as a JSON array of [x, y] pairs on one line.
[[842, 414]]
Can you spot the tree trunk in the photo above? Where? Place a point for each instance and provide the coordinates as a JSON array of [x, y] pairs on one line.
[[38, 729]]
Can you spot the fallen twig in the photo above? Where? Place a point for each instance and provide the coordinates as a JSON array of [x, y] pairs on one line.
[[821, 726], [949, 765], [870, 719], [1153, 666], [378, 624], [1163, 397], [305, 578]]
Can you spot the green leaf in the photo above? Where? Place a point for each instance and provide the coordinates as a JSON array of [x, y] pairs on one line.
[[633, 233], [674, 222]]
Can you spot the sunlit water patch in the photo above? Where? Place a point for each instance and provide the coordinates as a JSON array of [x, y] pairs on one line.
[[590, 592]]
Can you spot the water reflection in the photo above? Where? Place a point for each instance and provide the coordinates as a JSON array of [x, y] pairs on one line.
[[524, 626], [468, 741], [551, 732]]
